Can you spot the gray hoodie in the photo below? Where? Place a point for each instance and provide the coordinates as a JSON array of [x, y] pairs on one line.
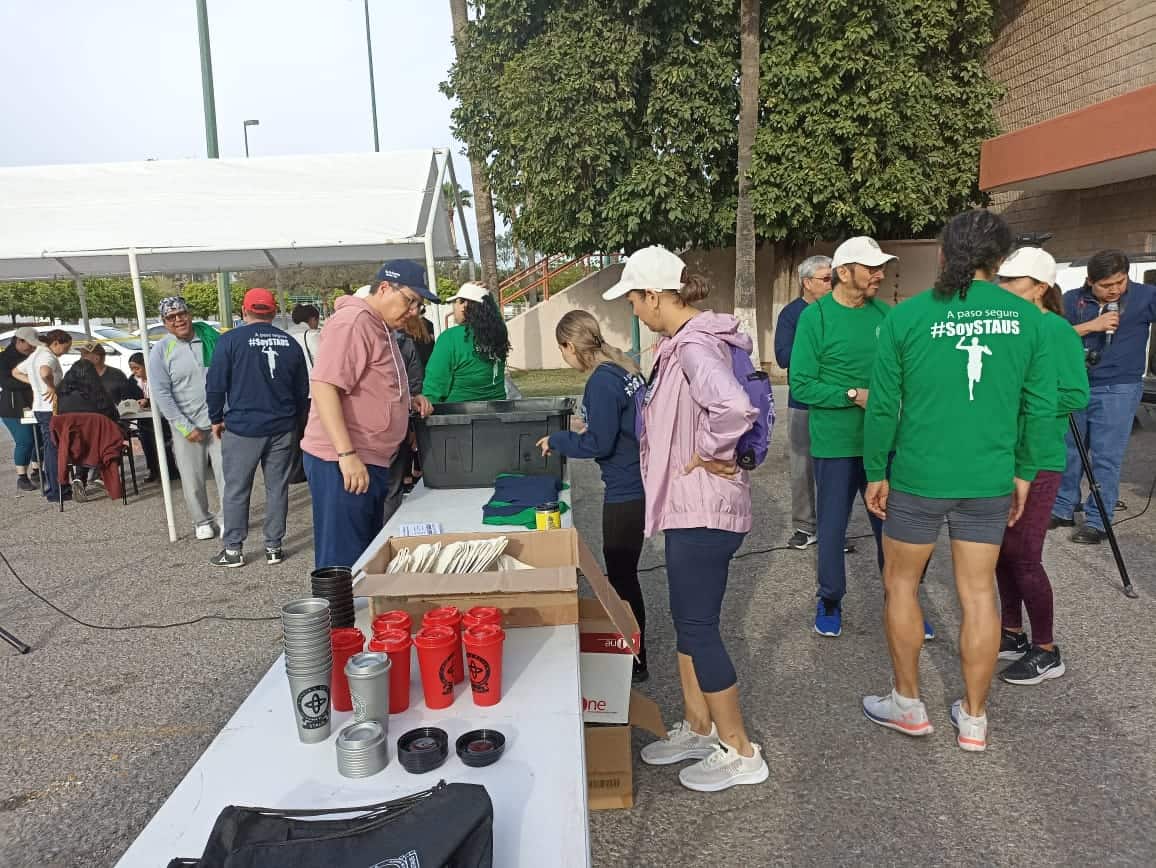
[[177, 383]]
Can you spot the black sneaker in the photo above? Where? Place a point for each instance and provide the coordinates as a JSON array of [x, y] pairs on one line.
[[639, 674], [800, 540], [1089, 536], [1036, 666], [23, 483], [1056, 521], [273, 556], [1013, 646], [228, 558]]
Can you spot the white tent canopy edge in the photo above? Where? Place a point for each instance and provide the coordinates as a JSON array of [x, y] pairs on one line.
[[329, 210]]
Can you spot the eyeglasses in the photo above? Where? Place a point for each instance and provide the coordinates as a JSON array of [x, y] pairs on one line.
[[179, 315], [826, 279]]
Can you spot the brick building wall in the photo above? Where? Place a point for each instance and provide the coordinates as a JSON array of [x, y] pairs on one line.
[[1057, 56]]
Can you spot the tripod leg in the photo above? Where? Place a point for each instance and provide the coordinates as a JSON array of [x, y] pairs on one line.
[[14, 642], [1129, 591]]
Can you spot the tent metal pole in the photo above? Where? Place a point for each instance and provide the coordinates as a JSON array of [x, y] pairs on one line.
[[435, 200], [461, 214], [82, 294], [154, 411]]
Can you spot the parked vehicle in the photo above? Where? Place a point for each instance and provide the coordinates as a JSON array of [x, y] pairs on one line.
[[118, 344]]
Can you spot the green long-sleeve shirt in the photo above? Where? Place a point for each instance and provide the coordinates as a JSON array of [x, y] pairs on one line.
[[1067, 352], [834, 351], [457, 372], [952, 382]]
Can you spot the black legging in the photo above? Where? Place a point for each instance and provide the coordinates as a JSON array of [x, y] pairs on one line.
[[623, 525]]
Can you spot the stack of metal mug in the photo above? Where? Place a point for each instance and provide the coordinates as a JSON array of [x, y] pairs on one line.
[[309, 664], [362, 749]]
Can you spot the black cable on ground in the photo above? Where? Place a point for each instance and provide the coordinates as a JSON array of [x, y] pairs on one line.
[[118, 627], [1147, 504]]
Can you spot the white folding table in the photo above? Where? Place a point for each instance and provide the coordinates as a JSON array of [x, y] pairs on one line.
[[538, 787]]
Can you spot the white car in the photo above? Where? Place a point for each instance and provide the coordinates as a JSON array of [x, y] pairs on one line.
[[118, 344]]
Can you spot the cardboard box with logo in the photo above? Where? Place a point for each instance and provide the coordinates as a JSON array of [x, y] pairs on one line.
[[546, 594]]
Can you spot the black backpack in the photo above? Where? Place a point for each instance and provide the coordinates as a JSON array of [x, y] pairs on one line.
[[449, 825]]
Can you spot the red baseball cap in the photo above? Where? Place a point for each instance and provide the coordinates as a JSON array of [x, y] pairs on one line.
[[259, 301]]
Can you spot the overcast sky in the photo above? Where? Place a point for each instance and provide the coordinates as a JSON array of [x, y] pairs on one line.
[[117, 80]]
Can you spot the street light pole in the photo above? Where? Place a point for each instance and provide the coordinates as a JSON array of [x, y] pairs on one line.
[[245, 128], [372, 87], [224, 293]]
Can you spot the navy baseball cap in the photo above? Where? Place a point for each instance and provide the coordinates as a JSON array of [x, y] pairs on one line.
[[407, 273]]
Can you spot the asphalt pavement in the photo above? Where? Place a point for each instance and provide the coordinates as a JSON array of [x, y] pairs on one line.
[[100, 725]]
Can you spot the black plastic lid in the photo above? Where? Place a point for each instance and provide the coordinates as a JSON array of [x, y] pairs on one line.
[[423, 749], [481, 747]]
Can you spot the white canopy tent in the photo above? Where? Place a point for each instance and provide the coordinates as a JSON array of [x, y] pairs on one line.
[[184, 216]]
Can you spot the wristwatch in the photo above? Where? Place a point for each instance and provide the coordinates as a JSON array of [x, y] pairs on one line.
[[852, 394]]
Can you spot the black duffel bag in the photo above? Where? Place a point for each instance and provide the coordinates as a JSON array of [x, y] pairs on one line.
[[449, 826]]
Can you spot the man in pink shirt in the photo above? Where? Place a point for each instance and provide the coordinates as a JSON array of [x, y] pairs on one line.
[[360, 412]]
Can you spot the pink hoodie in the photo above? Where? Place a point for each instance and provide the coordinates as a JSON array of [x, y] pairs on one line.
[[695, 405]]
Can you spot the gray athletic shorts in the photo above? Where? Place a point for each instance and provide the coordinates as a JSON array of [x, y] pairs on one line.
[[916, 520]]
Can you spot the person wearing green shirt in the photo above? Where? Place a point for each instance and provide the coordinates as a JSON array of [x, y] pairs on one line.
[[831, 362], [468, 362], [1023, 582], [963, 394]]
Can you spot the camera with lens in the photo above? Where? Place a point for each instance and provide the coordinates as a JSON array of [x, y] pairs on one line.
[[1091, 357]]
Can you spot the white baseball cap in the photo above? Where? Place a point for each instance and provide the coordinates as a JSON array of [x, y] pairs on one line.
[[363, 291], [649, 268], [1030, 262], [27, 334], [861, 250], [470, 291]]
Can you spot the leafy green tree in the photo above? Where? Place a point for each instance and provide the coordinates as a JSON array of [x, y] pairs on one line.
[[611, 124]]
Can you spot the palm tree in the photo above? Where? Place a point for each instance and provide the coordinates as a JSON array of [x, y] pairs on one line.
[[464, 196], [483, 202], [745, 308]]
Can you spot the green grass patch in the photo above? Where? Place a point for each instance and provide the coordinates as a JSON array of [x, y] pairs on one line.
[[541, 384]]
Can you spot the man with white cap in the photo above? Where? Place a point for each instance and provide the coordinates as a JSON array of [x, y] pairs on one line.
[[831, 363]]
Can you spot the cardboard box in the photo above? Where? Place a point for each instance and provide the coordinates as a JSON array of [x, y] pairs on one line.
[[609, 761], [605, 658], [546, 595]]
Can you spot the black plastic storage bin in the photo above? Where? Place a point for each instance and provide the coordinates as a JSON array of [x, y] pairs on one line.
[[467, 445]]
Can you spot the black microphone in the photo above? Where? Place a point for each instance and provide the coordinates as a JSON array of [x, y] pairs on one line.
[[1110, 307]]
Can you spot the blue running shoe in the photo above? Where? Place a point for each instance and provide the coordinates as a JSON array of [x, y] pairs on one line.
[[928, 630], [828, 618]]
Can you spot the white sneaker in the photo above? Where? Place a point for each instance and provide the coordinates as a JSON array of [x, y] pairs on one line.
[[681, 743], [972, 733], [725, 768], [905, 718], [205, 531]]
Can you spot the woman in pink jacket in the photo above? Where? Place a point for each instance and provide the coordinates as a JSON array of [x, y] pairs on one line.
[[694, 413]]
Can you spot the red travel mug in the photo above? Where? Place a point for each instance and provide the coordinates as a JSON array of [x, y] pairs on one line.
[[395, 643], [437, 649], [347, 641], [449, 616], [482, 615], [484, 645], [394, 620]]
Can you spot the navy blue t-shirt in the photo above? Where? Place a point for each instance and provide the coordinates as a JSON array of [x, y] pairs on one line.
[[608, 408], [1124, 360], [258, 384], [785, 339]]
